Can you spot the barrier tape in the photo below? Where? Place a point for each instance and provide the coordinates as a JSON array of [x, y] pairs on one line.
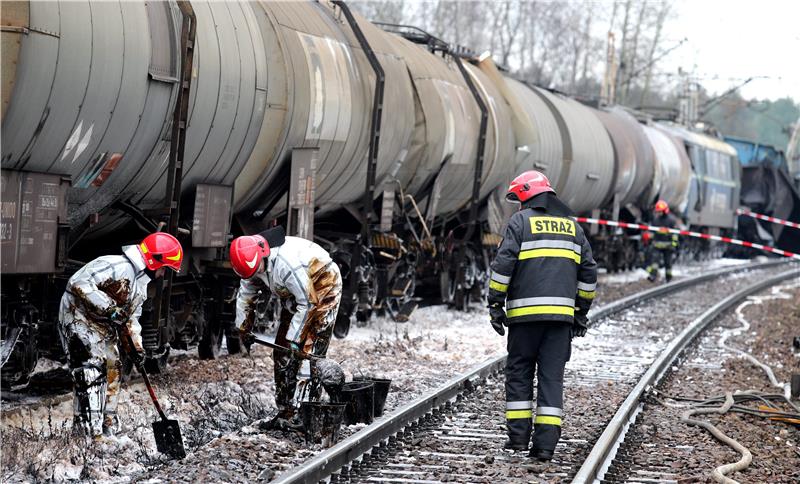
[[775, 220], [689, 233]]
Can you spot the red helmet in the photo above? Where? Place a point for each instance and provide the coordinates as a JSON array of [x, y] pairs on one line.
[[246, 252], [662, 206], [528, 185], [161, 249]]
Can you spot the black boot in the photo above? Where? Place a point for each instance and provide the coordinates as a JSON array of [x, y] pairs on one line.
[[517, 445], [284, 420], [541, 454]]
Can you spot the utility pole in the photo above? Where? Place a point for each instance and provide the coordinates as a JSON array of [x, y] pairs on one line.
[[608, 87], [793, 154], [687, 103]]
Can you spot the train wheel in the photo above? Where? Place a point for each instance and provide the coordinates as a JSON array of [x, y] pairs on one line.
[[445, 287], [461, 299], [211, 338], [362, 317], [157, 362], [341, 327], [234, 344]]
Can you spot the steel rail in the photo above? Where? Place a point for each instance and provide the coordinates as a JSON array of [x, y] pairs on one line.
[[626, 302], [327, 462], [604, 450]]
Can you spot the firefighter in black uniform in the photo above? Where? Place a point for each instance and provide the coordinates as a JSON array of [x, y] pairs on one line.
[[545, 276], [664, 243]]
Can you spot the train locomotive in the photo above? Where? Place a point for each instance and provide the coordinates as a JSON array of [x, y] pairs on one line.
[[384, 144]]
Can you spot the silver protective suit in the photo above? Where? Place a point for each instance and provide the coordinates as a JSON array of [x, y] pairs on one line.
[[90, 340], [309, 284]]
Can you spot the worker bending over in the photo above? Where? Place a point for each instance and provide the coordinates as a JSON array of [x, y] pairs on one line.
[[102, 299], [308, 282]]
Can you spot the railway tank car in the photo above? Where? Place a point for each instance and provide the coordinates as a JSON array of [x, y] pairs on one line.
[[210, 119]]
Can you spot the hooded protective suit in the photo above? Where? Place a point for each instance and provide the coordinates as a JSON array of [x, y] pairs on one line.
[[90, 339], [309, 284]]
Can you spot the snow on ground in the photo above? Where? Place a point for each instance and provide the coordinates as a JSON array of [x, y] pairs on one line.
[[219, 403], [680, 270]]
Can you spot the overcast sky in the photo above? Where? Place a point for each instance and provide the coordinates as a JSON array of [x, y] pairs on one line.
[[739, 39]]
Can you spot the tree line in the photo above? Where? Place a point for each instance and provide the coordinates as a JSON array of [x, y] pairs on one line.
[[568, 46], [558, 45]]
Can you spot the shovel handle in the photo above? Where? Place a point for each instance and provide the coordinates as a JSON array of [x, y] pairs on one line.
[[126, 333], [274, 346], [146, 379]]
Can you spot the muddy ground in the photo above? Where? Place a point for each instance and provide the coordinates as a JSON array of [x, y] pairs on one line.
[[665, 448], [221, 403]]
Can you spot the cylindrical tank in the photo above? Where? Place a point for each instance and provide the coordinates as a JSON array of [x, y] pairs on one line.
[[632, 153], [325, 88], [588, 156], [624, 155], [65, 114], [95, 79], [442, 153], [644, 156], [674, 168], [444, 148], [499, 158], [546, 155]]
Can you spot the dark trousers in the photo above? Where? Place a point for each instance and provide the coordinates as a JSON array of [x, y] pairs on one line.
[[286, 366], [666, 260], [542, 348]]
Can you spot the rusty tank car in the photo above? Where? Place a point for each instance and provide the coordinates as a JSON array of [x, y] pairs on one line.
[[384, 144]]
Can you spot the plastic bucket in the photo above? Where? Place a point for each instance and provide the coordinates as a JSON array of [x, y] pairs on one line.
[[381, 391], [321, 421], [360, 399]]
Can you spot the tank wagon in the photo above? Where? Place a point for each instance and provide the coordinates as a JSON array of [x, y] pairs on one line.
[[767, 188], [384, 144]]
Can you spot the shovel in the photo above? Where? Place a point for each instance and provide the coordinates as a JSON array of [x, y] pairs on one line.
[[166, 432], [269, 342]]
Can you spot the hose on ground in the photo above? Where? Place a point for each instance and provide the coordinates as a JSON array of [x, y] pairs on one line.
[[708, 406], [719, 473]]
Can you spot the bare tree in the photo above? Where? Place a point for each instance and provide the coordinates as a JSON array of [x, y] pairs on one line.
[[662, 17], [545, 42]]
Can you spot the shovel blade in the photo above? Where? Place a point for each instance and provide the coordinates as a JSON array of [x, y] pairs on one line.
[[168, 438]]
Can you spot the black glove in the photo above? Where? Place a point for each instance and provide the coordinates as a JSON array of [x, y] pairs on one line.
[[247, 339], [579, 325], [497, 316], [137, 358]]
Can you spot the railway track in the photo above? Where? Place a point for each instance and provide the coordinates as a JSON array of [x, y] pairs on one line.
[[456, 433]]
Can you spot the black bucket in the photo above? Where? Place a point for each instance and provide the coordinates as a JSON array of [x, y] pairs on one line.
[[381, 391], [360, 399], [321, 421]]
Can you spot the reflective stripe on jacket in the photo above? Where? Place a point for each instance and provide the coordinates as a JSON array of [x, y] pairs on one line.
[[664, 240], [544, 268]]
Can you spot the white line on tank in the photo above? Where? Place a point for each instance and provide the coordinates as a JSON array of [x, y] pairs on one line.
[[84, 143], [73, 140]]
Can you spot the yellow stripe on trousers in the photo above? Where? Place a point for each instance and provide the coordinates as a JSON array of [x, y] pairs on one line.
[[514, 414], [497, 286], [548, 420]]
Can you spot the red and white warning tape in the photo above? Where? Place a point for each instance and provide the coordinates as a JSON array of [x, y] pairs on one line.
[[688, 233], [744, 211]]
